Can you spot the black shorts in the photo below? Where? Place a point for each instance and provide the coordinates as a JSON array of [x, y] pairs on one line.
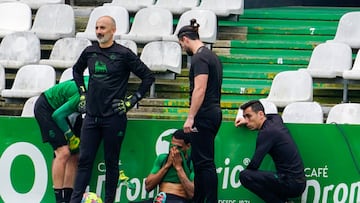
[[50, 131]]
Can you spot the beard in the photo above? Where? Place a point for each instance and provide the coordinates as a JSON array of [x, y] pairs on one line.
[[189, 52], [103, 38]]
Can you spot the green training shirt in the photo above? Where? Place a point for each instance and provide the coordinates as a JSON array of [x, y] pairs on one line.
[[171, 175], [64, 99]]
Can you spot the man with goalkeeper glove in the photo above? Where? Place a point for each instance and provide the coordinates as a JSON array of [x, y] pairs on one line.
[[106, 104], [52, 111]]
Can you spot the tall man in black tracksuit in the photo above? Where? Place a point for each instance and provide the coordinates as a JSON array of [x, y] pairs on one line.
[[106, 104], [274, 139], [205, 116]]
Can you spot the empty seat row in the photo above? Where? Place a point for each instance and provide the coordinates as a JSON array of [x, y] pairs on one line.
[[329, 60], [333, 62], [28, 108], [164, 58], [294, 86], [293, 91], [151, 24], [57, 21], [65, 52], [51, 22], [36, 4], [22, 48], [174, 6], [296, 112], [54, 20], [312, 112], [30, 80], [15, 17], [290, 86], [18, 49], [348, 29], [220, 8]]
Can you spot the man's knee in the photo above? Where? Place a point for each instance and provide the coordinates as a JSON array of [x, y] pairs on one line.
[[244, 177]]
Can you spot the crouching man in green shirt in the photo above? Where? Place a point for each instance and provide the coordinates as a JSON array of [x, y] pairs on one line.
[[173, 172], [52, 110]]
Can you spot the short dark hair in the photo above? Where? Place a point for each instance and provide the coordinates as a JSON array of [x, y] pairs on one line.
[[181, 135], [255, 105], [191, 31]]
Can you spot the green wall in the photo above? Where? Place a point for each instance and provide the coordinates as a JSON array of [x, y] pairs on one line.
[[331, 155]]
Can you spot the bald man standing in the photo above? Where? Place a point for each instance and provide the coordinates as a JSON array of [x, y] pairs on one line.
[[106, 104]]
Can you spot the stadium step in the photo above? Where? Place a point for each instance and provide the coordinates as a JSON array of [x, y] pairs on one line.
[[255, 71], [302, 13], [297, 42], [271, 58]]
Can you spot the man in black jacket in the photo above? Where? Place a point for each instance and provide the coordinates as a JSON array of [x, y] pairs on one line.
[[274, 139], [106, 104]]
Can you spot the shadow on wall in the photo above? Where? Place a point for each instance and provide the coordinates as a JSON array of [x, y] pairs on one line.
[[277, 3]]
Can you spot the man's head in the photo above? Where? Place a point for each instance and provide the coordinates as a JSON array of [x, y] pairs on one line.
[[105, 29], [253, 113], [187, 34], [180, 140]]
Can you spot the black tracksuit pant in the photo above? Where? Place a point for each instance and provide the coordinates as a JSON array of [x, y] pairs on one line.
[[111, 130], [272, 187]]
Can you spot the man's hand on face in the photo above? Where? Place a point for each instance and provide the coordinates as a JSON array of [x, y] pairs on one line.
[[169, 161], [240, 121], [177, 160]]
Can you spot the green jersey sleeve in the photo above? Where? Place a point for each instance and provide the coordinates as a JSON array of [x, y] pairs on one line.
[[61, 113], [158, 163]]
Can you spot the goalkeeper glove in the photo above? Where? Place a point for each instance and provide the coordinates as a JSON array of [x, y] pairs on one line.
[[73, 140], [123, 106], [82, 102]]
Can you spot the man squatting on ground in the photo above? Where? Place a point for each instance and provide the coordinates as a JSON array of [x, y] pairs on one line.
[[274, 139]]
